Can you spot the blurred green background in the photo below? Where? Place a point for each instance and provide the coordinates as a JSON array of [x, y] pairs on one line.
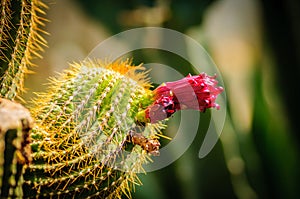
[[256, 46]]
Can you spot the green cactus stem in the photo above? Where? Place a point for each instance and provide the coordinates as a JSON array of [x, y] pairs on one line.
[[83, 142], [20, 41], [15, 123]]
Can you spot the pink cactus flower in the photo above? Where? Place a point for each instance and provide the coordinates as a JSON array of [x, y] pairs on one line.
[[192, 92]]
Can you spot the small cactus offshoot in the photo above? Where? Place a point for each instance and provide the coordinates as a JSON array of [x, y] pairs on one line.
[[88, 141]]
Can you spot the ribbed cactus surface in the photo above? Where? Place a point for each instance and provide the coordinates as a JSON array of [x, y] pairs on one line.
[[82, 142]]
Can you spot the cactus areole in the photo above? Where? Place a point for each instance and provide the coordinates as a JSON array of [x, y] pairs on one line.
[[99, 123]]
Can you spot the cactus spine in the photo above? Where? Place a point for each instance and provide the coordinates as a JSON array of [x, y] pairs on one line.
[[20, 40], [80, 143]]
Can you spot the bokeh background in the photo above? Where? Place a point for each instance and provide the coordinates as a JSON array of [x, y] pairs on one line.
[[256, 46]]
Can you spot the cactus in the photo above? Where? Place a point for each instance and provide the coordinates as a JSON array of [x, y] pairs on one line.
[[15, 123], [85, 142], [20, 41]]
